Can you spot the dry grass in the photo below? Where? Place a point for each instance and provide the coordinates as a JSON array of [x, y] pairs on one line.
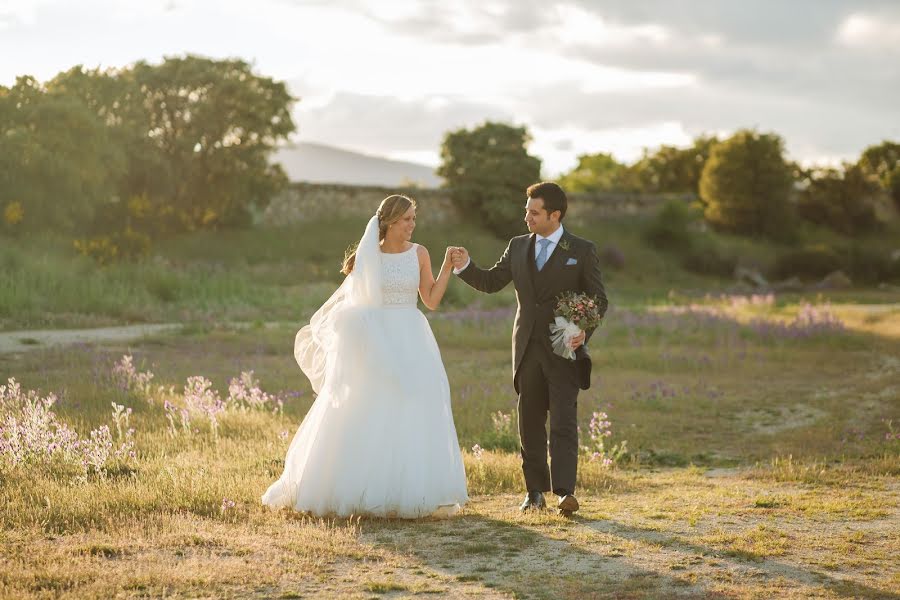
[[766, 473], [676, 532]]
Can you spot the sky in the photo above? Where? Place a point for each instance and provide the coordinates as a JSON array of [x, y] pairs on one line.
[[391, 77]]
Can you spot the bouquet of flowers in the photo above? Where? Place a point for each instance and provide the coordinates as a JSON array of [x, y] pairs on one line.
[[574, 314]]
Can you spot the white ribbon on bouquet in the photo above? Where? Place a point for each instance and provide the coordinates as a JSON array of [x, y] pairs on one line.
[[562, 331]]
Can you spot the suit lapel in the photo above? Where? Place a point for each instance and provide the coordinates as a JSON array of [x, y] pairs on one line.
[[526, 267]]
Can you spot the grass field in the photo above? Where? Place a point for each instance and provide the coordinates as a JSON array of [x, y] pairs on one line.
[[283, 274], [763, 435], [761, 464]]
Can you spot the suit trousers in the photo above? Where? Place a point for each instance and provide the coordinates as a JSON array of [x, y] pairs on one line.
[[548, 384]]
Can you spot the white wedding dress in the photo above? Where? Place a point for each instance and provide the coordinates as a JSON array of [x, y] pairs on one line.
[[379, 439]]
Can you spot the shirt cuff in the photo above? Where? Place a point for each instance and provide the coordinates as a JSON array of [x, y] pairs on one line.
[[465, 266]]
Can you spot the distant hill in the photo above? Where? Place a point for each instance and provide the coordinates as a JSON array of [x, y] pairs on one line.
[[318, 163]]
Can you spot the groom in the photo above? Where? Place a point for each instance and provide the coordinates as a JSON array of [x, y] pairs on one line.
[[542, 266]]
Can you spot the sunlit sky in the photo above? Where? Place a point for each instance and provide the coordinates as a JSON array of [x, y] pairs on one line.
[[390, 77]]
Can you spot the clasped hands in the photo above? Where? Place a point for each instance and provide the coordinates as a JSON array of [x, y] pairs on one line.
[[459, 256], [456, 256]]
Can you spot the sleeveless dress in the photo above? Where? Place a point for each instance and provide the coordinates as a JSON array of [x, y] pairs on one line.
[[379, 439]]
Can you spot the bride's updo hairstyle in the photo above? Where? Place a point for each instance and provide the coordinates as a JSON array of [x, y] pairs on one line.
[[389, 212]]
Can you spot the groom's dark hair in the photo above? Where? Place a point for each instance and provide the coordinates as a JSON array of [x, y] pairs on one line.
[[553, 196]]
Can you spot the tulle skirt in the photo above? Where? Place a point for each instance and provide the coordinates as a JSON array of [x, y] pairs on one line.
[[379, 439]]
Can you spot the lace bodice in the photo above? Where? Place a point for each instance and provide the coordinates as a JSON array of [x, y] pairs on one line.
[[400, 277]]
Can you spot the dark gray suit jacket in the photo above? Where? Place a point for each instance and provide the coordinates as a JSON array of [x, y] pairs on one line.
[[573, 266]]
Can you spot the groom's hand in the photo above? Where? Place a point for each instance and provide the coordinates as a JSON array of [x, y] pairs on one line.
[[578, 340], [460, 257]]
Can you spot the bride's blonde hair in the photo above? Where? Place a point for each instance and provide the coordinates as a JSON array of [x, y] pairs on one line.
[[389, 212]]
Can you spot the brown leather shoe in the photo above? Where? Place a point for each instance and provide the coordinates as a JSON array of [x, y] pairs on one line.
[[533, 501], [567, 505]]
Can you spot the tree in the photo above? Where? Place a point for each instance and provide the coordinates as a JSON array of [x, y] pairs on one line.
[[197, 133], [114, 96], [675, 170], [57, 162], [487, 170], [594, 173], [843, 200], [882, 163], [746, 185]]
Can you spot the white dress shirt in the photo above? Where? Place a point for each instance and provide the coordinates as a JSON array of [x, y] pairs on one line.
[[554, 241]]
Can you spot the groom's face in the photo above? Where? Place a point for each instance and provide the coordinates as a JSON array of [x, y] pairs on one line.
[[537, 219]]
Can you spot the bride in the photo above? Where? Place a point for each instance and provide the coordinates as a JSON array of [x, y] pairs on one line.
[[379, 439]]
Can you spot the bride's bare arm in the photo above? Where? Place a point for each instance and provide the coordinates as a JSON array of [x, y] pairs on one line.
[[430, 289]]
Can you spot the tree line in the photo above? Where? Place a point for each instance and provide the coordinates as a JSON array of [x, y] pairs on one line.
[[744, 183], [120, 156]]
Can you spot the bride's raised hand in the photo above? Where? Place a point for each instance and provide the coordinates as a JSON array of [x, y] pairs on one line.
[[448, 255]]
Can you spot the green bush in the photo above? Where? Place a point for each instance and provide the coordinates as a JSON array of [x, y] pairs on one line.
[[810, 262], [871, 265], [123, 245], [843, 200], [164, 285], [882, 163], [707, 257], [670, 229]]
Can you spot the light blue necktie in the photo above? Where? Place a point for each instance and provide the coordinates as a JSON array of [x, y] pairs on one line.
[[541, 259]]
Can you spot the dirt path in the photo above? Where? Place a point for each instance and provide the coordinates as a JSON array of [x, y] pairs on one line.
[[882, 319], [22, 341]]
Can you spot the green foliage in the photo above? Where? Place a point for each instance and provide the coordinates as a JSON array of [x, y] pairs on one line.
[[671, 227], [666, 170], [869, 264], [487, 171], [746, 185], [675, 229], [106, 249], [882, 163], [197, 134], [841, 200], [57, 161], [708, 257], [595, 173], [674, 170], [123, 155], [810, 262], [503, 434]]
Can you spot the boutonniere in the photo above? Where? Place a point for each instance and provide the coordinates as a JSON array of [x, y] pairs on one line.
[[564, 244]]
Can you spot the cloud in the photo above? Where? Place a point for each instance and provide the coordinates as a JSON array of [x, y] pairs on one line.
[[388, 125], [867, 31], [584, 75]]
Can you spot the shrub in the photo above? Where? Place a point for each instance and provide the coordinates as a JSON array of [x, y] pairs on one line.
[[871, 265], [882, 163], [841, 200], [32, 438], [612, 256], [811, 262], [707, 257], [670, 229], [105, 249], [503, 434]]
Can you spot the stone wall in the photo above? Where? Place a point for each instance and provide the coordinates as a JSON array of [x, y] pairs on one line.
[[315, 201]]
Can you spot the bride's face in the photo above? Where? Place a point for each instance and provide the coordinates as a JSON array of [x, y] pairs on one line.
[[402, 230]]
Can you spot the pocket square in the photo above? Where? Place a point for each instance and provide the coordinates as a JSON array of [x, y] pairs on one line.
[[572, 261]]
